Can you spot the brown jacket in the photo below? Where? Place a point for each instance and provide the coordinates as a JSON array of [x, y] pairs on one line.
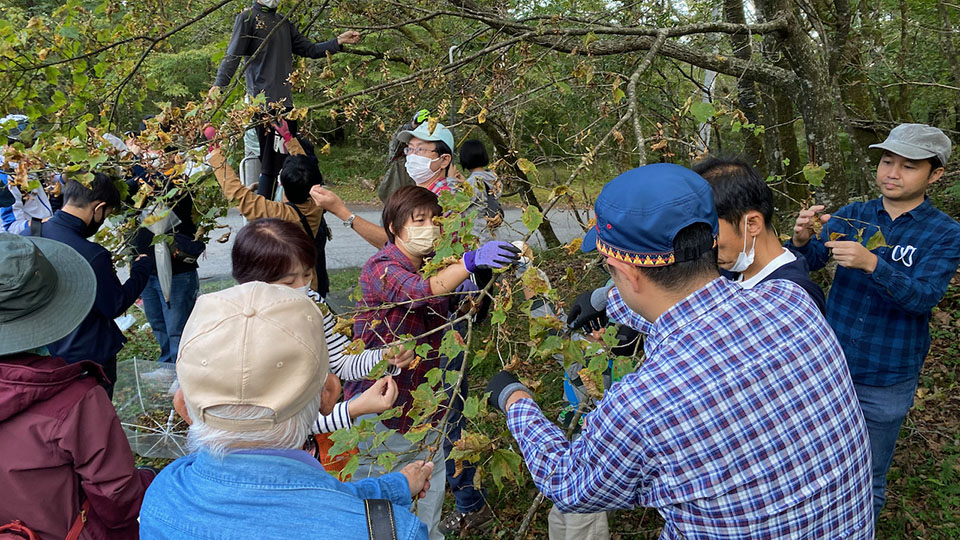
[[254, 206], [60, 442]]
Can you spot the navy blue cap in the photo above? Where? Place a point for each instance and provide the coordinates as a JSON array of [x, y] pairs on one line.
[[640, 212]]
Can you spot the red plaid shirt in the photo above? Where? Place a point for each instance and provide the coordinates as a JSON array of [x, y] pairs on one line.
[[389, 278]]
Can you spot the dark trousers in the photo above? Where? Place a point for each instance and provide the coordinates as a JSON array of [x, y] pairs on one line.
[[272, 156], [468, 498]]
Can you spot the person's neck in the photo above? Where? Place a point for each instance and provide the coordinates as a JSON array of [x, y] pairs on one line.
[[768, 248], [661, 303], [84, 214], [898, 208], [416, 260], [478, 169]]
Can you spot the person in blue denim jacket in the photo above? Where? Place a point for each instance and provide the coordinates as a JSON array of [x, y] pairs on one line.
[[253, 371]]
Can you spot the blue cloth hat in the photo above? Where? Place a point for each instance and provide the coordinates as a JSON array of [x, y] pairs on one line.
[[640, 212]]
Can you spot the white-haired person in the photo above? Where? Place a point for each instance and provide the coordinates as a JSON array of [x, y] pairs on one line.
[[252, 368]]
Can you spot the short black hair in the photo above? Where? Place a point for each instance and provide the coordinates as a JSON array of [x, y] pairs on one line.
[[442, 149], [473, 155], [299, 174], [696, 259], [102, 188], [737, 188], [935, 163]]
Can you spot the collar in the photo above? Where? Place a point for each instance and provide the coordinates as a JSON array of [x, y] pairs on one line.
[[689, 309], [917, 214], [288, 453], [784, 258], [69, 221], [392, 252]]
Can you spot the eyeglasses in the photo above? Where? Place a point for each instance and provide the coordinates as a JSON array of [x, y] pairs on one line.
[[420, 151]]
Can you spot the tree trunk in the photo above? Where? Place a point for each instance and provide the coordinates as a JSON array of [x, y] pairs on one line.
[[746, 89], [817, 102], [525, 188], [951, 54]]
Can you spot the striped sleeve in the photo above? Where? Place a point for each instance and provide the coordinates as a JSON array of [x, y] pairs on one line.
[[350, 367], [338, 419]]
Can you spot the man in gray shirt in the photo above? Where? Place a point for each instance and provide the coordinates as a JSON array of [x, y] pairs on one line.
[[269, 72]]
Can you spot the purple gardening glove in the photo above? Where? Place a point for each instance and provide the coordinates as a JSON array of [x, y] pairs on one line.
[[493, 254], [467, 287]]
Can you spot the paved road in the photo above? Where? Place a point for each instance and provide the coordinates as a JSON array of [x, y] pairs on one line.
[[348, 250]]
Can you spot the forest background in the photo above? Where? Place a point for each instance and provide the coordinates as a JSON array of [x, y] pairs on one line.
[[566, 94]]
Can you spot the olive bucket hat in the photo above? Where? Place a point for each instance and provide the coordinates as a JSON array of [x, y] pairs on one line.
[[46, 290]]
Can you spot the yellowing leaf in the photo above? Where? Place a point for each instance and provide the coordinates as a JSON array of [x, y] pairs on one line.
[[532, 218], [482, 116], [355, 347], [432, 124], [834, 236], [526, 166], [876, 241], [574, 246], [325, 149]]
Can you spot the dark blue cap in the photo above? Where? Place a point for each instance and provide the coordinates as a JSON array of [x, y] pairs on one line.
[[640, 212]]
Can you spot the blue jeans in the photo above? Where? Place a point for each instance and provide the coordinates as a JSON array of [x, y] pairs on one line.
[[884, 408], [168, 321], [468, 498]]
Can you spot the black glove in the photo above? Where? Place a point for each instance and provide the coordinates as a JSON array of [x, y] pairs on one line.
[[501, 386], [584, 314]]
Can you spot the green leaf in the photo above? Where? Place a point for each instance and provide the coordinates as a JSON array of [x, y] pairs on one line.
[[350, 467], [498, 317], [52, 74], [532, 218], [471, 407], [387, 460], [876, 241], [504, 464], [702, 111], [814, 174], [618, 95], [59, 99], [423, 350], [69, 32]]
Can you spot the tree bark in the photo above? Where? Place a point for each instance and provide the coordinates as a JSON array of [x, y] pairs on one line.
[[525, 188], [746, 89], [951, 54]]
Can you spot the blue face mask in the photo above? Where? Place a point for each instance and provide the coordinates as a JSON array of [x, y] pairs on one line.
[[744, 259]]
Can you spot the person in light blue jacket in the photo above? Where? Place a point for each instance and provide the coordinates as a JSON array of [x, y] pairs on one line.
[[253, 372]]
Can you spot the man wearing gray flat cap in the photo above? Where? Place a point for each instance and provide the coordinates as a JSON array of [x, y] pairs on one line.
[[895, 256]]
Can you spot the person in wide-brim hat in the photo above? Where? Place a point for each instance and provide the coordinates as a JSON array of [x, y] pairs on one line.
[[60, 437], [46, 289]]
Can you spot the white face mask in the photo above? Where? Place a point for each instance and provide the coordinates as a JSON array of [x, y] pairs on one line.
[[272, 4], [305, 290], [419, 239], [744, 259], [418, 167]]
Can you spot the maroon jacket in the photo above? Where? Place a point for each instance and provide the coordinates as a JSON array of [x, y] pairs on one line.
[[61, 442]]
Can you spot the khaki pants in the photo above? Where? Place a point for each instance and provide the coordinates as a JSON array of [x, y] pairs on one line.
[[428, 508], [564, 526]]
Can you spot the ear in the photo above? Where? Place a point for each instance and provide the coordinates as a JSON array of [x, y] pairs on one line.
[[627, 274], [445, 160], [330, 394], [754, 223], [935, 175]]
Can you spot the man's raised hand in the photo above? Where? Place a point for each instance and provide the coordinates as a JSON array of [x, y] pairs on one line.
[[350, 36], [803, 229]]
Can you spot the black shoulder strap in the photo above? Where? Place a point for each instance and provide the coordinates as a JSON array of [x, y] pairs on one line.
[[380, 522], [303, 220], [36, 227]]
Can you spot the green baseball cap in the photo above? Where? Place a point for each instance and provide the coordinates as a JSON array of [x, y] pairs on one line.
[[46, 290], [422, 132]]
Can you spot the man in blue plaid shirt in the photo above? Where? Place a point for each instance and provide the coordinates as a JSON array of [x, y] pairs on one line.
[[742, 421], [895, 257]]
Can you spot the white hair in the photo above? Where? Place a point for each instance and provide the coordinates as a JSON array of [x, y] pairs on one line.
[[290, 433]]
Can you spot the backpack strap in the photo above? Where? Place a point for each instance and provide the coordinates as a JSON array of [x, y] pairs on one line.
[[380, 522], [77, 527], [36, 227], [320, 242]]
